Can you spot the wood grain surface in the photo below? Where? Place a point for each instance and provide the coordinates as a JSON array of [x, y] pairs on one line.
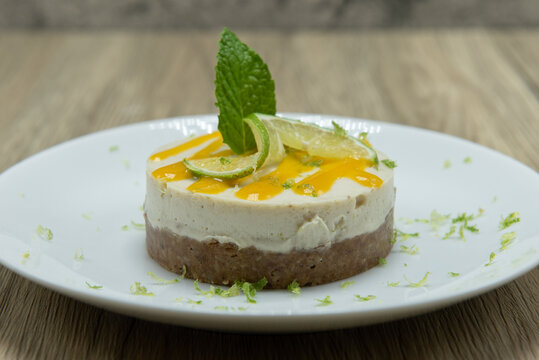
[[479, 85]]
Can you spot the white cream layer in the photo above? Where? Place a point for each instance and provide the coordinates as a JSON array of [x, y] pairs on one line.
[[285, 222]]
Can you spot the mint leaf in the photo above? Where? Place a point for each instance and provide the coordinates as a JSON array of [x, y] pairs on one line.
[[243, 85]]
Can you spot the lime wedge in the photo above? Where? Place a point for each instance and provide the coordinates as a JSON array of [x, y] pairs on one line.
[[238, 166], [316, 140]]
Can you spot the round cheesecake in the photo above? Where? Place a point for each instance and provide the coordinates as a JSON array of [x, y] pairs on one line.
[[204, 229]]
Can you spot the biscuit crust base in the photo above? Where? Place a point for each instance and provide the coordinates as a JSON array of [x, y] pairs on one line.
[[223, 263]]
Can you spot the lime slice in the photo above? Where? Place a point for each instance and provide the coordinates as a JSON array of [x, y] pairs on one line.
[[316, 140], [236, 166]]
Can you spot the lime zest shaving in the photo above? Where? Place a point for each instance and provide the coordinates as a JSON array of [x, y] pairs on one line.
[[125, 228], [382, 261], [25, 257], [325, 301], [403, 236], [194, 302], [453, 274], [365, 298], [114, 148], [420, 283], [447, 164], [294, 288], [467, 160], [509, 220], [160, 280], [79, 255], [346, 284], [184, 271], [126, 163], [138, 289], [234, 290], [44, 233], [288, 184], [250, 289], [412, 250], [393, 284], [138, 226], [94, 287], [491, 259], [87, 216], [389, 163], [507, 239], [221, 307]]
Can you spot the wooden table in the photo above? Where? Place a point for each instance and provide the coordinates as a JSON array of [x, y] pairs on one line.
[[479, 85]]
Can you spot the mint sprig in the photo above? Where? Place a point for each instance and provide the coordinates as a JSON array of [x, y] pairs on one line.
[[243, 85]]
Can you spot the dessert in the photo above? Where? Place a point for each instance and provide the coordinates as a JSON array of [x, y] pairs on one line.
[[300, 203]]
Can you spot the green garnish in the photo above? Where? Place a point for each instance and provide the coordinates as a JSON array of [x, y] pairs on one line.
[[87, 216], [491, 259], [221, 307], [25, 257], [509, 220], [453, 274], [250, 289], [393, 284], [294, 288], [410, 250], [389, 163], [184, 271], [138, 289], [450, 232], [308, 161], [193, 302], [437, 220], [325, 301], [447, 164], [309, 187], [382, 261], [288, 184], [507, 239], [467, 160], [403, 236], [161, 280], [21, 195], [79, 255], [125, 228], [138, 226], [95, 287], [113, 148], [420, 283], [44, 233], [243, 85], [338, 130], [365, 298], [224, 161], [494, 199], [463, 219], [346, 284], [126, 163]]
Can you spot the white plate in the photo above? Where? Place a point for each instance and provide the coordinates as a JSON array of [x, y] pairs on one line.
[[86, 193]]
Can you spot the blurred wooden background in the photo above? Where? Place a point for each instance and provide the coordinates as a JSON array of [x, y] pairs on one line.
[[283, 14]]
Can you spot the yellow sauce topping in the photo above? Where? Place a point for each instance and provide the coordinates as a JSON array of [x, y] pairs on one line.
[[178, 171], [296, 164], [162, 155]]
